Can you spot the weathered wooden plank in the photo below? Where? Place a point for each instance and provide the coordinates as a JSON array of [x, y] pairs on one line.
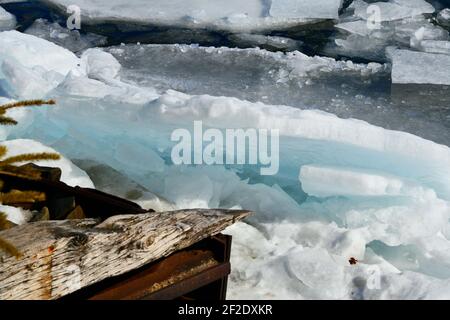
[[60, 257]]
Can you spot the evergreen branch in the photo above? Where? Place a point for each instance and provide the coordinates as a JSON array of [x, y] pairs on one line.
[[27, 103], [9, 248], [3, 221], [22, 172], [3, 151], [30, 157], [7, 121], [17, 196]]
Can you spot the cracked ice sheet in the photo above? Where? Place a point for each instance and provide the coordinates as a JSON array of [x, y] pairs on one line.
[[232, 15], [350, 90]]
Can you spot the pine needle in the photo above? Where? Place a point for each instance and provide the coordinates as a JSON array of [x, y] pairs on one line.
[[30, 157], [27, 103], [9, 248], [3, 221], [17, 196], [22, 172], [7, 121], [3, 151]]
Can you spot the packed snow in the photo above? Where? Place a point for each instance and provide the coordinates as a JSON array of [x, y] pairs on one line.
[[356, 210]]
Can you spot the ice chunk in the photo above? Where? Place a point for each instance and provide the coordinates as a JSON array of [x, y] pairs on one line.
[[69, 39], [435, 46], [233, 15], [443, 17], [420, 68], [404, 28], [350, 182], [265, 42], [324, 9], [7, 20], [392, 10], [22, 82], [31, 51], [114, 182], [100, 64]]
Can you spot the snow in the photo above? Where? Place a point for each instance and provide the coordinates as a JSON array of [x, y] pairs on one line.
[[70, 174], [15, 215], [7, 20], [233, 15], [413, 67]]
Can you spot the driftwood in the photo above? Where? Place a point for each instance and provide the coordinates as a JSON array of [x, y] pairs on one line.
[[60, 257]]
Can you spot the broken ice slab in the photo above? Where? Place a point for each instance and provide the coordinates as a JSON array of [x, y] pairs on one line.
[[435, 46], [391, 10], [231, 15], [411, 67], [359, 38], [7, 20], [325, 9], [443, 18], [272, 43], [69, 39]]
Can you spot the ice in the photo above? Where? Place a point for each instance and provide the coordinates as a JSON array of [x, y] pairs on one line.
[[341, 87], [443, 17], [100, 65], [31, 67], [265, 42], [114, 182], [435, 46], [64, 37], [345, 189], [234, 15], [315, 181], [413, 68], [7, 20], [33, 52], [393, 9], [368, 28], [325, 9]]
